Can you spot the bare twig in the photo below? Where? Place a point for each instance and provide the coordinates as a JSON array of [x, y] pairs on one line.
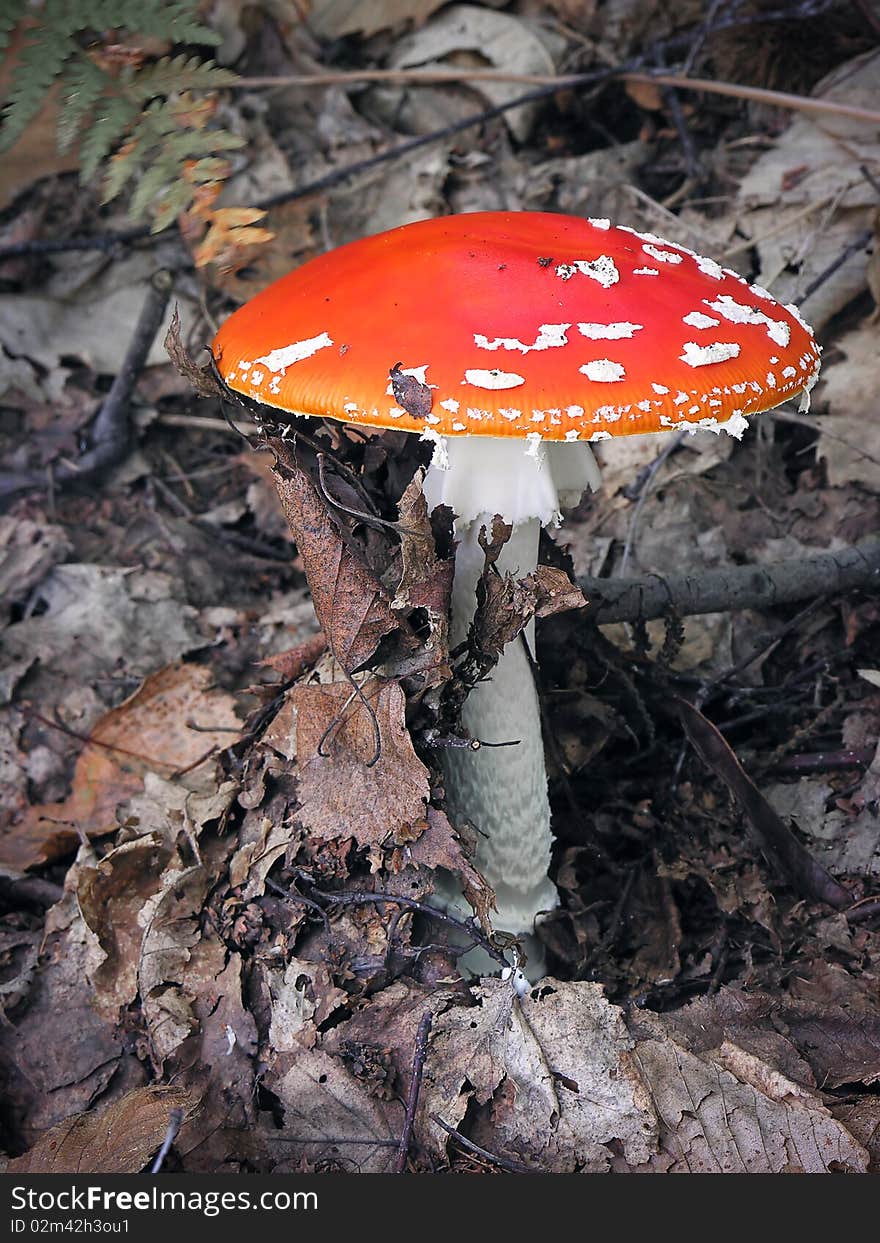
[[466, 926], [734, 587], [112, 428], [175, 1118], [415, 1085], [550, 83], [503, 1163]]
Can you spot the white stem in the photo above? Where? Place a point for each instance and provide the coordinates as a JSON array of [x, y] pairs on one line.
[[503, 790]]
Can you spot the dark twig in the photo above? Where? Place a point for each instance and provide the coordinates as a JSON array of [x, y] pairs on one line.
[[175, 1118], [503, 1163], [857, 244], [415, 1085], [823, 762], [112, 429], [672, 100], [733, 587], [466, 926]]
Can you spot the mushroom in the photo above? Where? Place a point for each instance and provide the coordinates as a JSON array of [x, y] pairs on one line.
[[511, 340]]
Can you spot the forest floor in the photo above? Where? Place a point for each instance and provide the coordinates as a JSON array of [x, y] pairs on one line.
[[184, 934]]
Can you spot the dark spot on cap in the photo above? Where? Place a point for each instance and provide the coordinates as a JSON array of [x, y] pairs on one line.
[[410, 393], [502, 267], [343, 349], [544, 262]]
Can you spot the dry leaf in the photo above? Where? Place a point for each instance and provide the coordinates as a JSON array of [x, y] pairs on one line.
[[331, 19], [440, 847], [28, 551], [351, 604], [322, 1102], [152, 729], [231, 238], [119, 1139], [354, 781], [849, 438], [554, 1069], [725, 1113], [804, 200]]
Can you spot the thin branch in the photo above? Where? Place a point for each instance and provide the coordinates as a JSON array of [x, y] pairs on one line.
[[504, 1163], [175, 1118], [415, 1085], [733, 587], [112, 429], [561, 82]]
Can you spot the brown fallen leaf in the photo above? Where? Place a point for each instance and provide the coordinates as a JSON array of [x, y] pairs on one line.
[[119, 1139], [296, 660], [150, 730], [352, 606], [111, 896], [439, 847], [506, 605], [822, 1044], [322, 1102], [726, 1111], [359, 775], [553, 1070], [425, 582]]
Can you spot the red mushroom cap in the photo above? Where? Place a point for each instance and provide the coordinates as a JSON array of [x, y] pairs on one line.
[[511, 323]]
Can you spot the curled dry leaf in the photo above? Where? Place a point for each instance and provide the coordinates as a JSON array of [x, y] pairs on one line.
[[440, 847], [506, 605], [119, 1139], [152, 729], [359, 775], [202, 379], [352, 606], [425, 583]]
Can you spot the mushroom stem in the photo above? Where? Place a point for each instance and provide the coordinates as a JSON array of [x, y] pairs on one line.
[[502, 790]]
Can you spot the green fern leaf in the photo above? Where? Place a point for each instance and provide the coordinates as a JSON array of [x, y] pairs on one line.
[[107, 132], [178, 73], [84, 84], [10, 15], [175, 19], [41, 61]]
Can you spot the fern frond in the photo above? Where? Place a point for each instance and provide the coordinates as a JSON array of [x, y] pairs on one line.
[[175, 19], [11, 14], [156, 152], [84, 84], [42, 59], [178, 73], [107, 132]]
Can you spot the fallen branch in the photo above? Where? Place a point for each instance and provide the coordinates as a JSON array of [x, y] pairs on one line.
[[733, 587], [112, 430], [563, 82], [415, 1085]]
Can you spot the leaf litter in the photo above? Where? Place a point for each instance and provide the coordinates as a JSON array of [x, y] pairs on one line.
[[238, 820]]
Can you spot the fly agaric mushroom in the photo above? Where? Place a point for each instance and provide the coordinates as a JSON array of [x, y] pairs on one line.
[[511, 340]]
